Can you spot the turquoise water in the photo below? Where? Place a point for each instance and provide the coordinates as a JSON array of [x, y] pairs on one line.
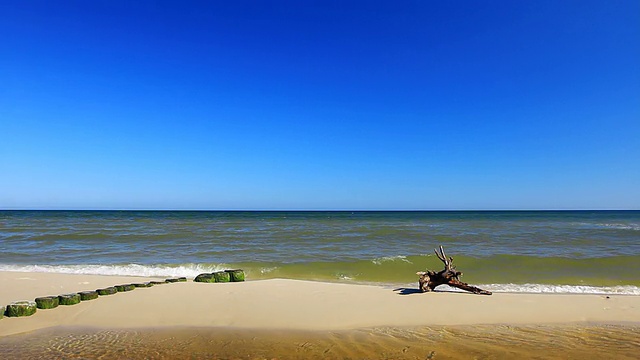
[[533, 251]]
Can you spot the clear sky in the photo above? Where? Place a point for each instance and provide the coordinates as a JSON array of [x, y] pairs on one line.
[[320, 104]]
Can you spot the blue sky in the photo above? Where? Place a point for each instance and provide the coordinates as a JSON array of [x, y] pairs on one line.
[[320, 105]]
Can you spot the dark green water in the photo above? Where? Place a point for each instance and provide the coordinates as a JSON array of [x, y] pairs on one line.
[[532, 251]]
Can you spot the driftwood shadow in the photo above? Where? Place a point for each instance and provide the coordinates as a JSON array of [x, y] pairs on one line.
[[407, 291]]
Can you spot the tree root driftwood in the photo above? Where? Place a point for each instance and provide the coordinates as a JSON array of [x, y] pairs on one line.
[[429, 280]]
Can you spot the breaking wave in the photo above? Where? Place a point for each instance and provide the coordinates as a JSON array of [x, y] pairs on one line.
[[554, 289], [188, 270]]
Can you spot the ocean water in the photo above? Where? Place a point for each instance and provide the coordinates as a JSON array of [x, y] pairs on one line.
[[516, 251]]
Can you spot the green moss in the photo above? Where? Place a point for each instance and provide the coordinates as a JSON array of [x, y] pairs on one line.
[[107, 291], [143, 285], [171, 280], [207, 278], [222, 276], [21, 308], [182, 279], [158, 282], [88, 295], [236, 275], [47, 302], [2, 310], [69, 299]]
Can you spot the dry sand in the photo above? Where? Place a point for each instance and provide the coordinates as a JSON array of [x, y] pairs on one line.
[[294, 305]]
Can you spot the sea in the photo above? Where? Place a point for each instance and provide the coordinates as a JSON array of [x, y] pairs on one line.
[[595, 252]]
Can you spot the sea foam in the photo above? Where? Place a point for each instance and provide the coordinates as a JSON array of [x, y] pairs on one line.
[[188, 270], [555, 289]]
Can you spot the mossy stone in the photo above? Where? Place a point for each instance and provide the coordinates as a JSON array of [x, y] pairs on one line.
[[125, 287], [222, 276], [157, 282], [206, 278], [107, 291], [171, 280], [69, 299], [236, 275], [182, 279], [88, 295], [143, 285], [21, 308], [47, 302]]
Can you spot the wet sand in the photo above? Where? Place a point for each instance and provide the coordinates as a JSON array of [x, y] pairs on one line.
[[440, 342]]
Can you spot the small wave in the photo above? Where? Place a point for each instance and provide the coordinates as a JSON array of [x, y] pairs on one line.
[[562, 289], [612, 226], [380, 260], [267, 270], [635, 227], [188, 270], [344, 277]]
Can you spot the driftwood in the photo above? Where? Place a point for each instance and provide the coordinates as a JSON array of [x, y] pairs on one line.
[[429, 280]]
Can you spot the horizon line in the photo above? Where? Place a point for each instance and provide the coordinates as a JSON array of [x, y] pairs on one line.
[[302, 210]]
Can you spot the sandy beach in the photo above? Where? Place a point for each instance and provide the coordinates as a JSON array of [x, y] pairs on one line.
[[292, 305], [295, 305]]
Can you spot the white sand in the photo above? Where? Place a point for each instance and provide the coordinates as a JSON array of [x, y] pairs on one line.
[[292, 304]]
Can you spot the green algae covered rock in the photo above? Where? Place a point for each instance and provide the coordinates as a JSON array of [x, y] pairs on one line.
[[207, 278], [129, 287], [88, 295], [125, 287], [236, 275], [47, 302], [143, 285], [107, 291], [21, 308], [172, 280], [182, 279], [158, 282], [69, 299], [222, 276], [2, 310]]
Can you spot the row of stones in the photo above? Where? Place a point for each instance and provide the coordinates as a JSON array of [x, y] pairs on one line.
[[28, 308], [221, 276]]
